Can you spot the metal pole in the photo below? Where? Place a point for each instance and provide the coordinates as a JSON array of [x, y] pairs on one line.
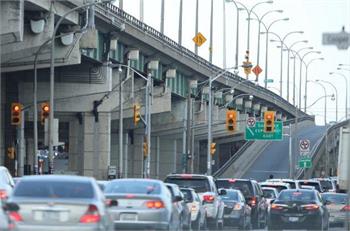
[[180, 23], [121, 125], [224, 35], [237, 40], [188, 125], [305, 93], [196, 27], [150, 85], [126, 155], [146, 128], [158, 156], [266, 57], [336, 98], [141, 10], [209, 130], [121, 5], [281, 70], [162, 18], [300, 79], [294, 64], [258, 55], [211, 31], [290, 153], [52, 88], [175, 155], [288, 59]]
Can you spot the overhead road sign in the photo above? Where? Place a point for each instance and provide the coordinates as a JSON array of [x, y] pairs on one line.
[[341, 40], [199, 39], [257, 132]]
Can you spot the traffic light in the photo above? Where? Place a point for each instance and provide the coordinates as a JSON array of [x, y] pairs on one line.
[[11, 153], [137, 114], [269, 121], [16, 113], [212, 148], [45, 112], [231, 120]]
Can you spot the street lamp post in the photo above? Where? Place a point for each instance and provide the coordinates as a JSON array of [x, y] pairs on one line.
[[211, 79], [301, 67], [325, 101], [336, 97], [346, 91], [52, 75], [306, 73], [267, 45]]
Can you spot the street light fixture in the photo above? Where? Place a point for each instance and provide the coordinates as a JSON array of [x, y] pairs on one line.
[[346, 89], [325, 101], [306, 75], [336, 97]]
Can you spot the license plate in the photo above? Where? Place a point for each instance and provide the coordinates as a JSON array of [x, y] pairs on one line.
[[55, 216], [293, 219], [128, 217], [51, 216], [331, 219]]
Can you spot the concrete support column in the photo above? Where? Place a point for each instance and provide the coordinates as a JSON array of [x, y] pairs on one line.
[[75, 164], [96, 146]]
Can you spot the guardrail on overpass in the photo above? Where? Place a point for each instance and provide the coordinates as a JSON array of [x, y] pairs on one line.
[[317, 151], [107, 10]]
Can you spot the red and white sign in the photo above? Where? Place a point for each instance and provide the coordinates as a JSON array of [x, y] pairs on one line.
[[304, 145], [251, 122]]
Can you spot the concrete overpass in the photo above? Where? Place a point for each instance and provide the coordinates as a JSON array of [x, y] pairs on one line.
[[85, 74]]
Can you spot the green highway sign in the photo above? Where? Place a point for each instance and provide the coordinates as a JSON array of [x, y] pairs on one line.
[[268, 80], [305, 162], [256, 132]]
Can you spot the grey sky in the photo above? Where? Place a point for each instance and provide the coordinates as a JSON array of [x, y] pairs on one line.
[[311, 16]]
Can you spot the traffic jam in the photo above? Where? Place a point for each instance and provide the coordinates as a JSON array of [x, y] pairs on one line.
[[180, 202]]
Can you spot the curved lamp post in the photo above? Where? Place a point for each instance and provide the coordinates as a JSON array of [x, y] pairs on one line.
[[325, 101], [336, 97], [346, 91], [306, 73]]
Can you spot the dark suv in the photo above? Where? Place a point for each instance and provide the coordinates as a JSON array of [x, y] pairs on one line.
[[253, 195]]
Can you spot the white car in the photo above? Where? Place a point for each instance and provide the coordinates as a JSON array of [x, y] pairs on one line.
[[196, 208], [277, 185], [6, 183], [270, 194]]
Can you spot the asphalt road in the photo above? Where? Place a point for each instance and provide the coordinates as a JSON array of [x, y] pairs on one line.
[[274, 159]]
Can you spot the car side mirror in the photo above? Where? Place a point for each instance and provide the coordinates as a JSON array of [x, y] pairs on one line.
[[177, 198], [222, 192], [10, 207]]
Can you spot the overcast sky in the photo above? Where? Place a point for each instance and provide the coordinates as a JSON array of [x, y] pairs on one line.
[[314, 17]]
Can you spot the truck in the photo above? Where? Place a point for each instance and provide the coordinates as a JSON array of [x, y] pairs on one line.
[[343, 172]]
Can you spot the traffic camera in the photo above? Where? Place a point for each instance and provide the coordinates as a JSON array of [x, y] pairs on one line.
[[269, 121], [231, 120], [16, 113], [212, 148], [137, 114], [45, 112]]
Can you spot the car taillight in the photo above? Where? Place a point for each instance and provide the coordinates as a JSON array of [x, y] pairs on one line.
[[237, 207], [15, 216], [155, 204], [252, 201], [277, 206], [193, 208], [3, 194], [91, 216], [208, 198], [310, 207], [346, 208]]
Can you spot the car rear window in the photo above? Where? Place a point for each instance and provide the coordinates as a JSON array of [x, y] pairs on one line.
[[308, 183], [244, 186], [291, 184], [54, 189], [326, 184], [278, 187], [230, 195], [187, 195], [198, 184], [268, 193], [303, 196], [335, 198], [134, 187]]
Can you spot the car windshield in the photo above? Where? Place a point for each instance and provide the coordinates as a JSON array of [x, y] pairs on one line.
[[269, 193], [135, 187], [310, 183], [187, 195], [302, 196], [199, 185], [244, 186], [230, 195], [278, 187], [54, 189], [335, 198], [326, 184]]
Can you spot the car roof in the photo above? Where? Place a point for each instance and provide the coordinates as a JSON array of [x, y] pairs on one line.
[[274, 183], [189, 189], [311, 181], [280, 179], [56, 178], [298, 190], [137, 180], [186, 175], [236, 179], [269, 188]]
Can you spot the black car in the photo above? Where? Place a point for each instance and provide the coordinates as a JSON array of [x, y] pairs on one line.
[[298, 209], [253, 195]]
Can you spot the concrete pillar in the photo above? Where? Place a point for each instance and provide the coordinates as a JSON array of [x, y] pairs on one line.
[[96, 145], [75, 147]]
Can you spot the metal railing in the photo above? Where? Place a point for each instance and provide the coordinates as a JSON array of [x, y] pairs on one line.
[[112, 10]]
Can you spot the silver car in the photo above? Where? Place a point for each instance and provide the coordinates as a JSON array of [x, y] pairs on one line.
[[142, 204], [6, 224], [59, 203], [6, 183], [338, 207]]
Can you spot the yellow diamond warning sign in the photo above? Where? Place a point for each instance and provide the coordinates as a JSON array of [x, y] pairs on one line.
[[199, 39]]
